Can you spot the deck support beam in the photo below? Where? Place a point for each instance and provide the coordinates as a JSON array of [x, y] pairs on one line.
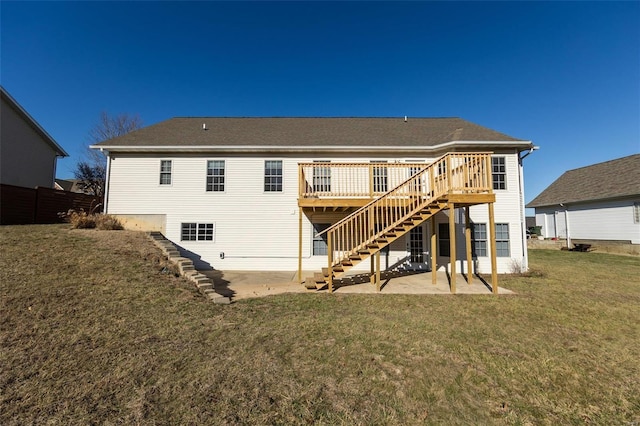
[[433, 249], [452, 245], [467, 235], [492, 239]]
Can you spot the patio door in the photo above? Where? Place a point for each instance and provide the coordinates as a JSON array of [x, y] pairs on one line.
[[416, 249]]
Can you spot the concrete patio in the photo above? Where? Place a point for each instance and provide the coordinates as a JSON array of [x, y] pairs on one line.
[[248, 284]]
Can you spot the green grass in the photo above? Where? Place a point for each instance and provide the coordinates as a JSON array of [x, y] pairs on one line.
[[93, 331]]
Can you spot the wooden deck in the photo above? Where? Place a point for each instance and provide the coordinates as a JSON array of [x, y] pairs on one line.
[[384, 201]]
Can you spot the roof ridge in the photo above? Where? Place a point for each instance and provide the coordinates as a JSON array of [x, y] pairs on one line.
[[602, 162]]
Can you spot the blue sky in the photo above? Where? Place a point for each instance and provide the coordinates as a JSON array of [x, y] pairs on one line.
[[565, 75]]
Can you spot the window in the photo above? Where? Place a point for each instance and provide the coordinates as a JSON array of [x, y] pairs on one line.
[[321, 177], [479, 239], [320, 243], [215, 175], [379, 178], [499, 173], [636, 212], [197, 231], [444, 246], [273, 176], [205, 232], [188, 232], [165, 172], [502, 240]]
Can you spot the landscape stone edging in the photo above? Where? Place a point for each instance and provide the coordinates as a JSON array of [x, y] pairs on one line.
[[187, 270]]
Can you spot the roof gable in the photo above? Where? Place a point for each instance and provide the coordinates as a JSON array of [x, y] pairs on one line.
[[610, 179], [26, 117], [270, 133]]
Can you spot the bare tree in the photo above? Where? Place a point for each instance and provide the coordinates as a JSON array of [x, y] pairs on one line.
[[91, 171]]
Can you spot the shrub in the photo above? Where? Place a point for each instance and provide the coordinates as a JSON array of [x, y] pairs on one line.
[[83, 220], [106, 222]]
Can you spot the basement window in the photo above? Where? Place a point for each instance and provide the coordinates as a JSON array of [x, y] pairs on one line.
[[192, 231]]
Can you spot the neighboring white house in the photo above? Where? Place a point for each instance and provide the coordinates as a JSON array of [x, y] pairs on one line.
[[600, 202], [28, 154], [253, 193]]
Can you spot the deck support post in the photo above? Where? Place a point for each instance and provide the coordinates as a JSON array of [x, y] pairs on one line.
[[299, 245], [467, 234], [372, 277], [433, 249], [330, 262], [378, 271], [492, 238], [452, 245]]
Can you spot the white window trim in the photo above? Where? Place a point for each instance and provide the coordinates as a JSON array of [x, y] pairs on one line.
[[213, 232], [506, 186], [206, 176], [264, 165], [160, 173]]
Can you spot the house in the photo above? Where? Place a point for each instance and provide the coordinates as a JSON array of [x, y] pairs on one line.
[[600, 202], [308, 193], [69, 185], [28, 153]]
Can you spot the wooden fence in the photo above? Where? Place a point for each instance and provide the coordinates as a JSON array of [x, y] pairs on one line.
[[20, 206]]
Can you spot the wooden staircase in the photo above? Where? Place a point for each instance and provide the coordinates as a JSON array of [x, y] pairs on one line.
[[385, 219]]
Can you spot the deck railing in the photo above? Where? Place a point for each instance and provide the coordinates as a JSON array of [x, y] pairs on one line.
[[459, 173], [352, 180]]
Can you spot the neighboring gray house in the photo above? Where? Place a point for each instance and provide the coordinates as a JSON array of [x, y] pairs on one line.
[[28, 154], [597, 202]]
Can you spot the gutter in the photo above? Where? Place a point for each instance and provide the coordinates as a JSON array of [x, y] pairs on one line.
[[323, 148]]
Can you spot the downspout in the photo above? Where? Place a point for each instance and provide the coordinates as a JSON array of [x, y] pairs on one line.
[[566, 224], [523, 218], [106, 183]]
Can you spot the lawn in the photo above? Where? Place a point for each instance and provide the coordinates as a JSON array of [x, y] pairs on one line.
[[95, 329]]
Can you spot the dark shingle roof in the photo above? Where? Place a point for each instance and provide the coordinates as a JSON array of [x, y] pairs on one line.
[[611, 179], [307, 132]]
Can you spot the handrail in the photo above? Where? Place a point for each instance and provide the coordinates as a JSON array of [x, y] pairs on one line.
[[452, 173]]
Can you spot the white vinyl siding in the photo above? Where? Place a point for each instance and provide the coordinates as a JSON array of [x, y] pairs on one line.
[[600, 220], [255, 229]]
